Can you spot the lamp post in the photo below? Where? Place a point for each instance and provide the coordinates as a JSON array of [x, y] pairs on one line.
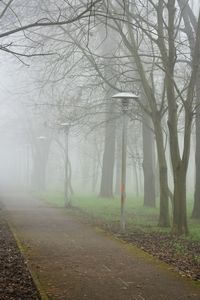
[[40, 163], [67, 200], [124, 97], [27, 152]]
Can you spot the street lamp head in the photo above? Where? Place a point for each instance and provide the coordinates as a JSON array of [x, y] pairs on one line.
[[126, 95], [41, 137], [65, 124]]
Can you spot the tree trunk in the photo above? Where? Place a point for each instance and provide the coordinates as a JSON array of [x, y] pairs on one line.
[[157, 180], [39, 171], [135, 173], [106, 189], [191, 27], [164, 201], [94, 174], [118, 164], [95, 163], [180, 166], [70, 177], [179, 212], [148, 163], [196, 208]]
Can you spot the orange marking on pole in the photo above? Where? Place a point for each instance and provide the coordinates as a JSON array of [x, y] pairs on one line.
[[122, 188]]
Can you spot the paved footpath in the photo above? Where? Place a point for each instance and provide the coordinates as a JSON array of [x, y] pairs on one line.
[[74, 261]]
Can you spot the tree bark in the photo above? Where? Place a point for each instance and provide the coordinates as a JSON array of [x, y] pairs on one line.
[[179, 163], [106, 189], [163, 176], [118, 164], [40, 159], [135, 172], [190, 22], [148, 162], [70, 177], [179, 212], [196, 207]]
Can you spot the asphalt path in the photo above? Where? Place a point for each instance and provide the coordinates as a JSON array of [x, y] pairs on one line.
[[73, 260]]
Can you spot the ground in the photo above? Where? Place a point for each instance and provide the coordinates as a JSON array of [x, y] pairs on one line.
[[15, 280], [181, 253], [73, 260]]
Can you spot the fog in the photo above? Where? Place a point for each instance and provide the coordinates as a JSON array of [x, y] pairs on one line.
[[99, 149], [102, 105], [28, 114]]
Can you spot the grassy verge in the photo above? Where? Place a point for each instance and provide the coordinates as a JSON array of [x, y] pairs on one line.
[[107, 211]]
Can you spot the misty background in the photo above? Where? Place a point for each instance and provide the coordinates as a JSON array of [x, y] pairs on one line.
[[60, 125]]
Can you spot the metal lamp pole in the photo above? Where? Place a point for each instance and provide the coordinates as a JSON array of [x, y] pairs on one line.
[[27, 148], [124, 97], [67, 199], [40, 180]]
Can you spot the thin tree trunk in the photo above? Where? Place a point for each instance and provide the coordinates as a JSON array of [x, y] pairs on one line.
[[196, 207], [163, 177], [148, 163], [106, 189], [94, 166], [70, 177], [118, 165], [135, 173], [40, 160]]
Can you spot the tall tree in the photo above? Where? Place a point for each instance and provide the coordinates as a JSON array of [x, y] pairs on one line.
[[106, 189], [196, 207], [168, 50], [190, 29], [148, 162]]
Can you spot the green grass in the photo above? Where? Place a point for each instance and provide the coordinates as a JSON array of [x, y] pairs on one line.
[[108, 211]]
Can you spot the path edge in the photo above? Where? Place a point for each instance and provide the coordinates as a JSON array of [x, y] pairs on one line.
[[36, 281], [148, 257]]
